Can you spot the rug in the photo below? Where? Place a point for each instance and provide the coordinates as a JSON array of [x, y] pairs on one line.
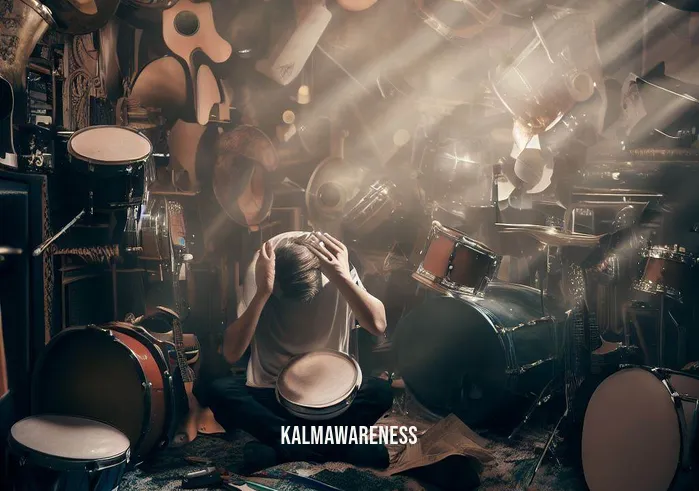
[[513, 464]]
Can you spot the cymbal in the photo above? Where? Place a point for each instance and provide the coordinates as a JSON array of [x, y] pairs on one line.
[[550, 235]]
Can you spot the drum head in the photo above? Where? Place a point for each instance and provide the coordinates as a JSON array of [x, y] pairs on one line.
[[319, 379], [109, 145], [71, 438], [87, 372], [631, 437]]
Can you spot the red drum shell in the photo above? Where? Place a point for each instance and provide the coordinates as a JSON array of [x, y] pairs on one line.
[[117, 377]]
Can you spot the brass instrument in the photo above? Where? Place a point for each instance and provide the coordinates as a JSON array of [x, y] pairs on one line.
[[21, 30]]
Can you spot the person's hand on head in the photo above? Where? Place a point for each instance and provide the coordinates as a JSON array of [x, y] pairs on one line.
[[264, 270], [333, 256]]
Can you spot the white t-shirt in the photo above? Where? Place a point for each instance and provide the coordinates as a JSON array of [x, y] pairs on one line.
[[284, 331]]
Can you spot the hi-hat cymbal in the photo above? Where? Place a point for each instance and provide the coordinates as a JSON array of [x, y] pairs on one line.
[[550, 236]]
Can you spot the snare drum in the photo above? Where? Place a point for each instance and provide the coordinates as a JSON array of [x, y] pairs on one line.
[[455, 263], [113, 166], [474, 356], [667, 272], [319, 385], [118, 377], [64, 453], [639, 430]]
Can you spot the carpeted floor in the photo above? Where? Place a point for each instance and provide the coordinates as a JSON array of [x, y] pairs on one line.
[[513, 464]]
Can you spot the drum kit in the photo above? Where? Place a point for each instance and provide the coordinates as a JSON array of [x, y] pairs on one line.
[[482, 344]]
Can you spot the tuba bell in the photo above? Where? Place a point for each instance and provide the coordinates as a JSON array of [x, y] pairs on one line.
[[22, 28]]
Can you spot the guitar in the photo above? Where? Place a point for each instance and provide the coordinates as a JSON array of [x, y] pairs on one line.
[[8, 156], [189, 27], [178, 258]]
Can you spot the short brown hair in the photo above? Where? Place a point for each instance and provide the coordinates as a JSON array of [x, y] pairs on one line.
[[297, 270]]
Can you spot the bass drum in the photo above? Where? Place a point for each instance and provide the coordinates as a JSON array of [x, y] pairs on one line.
[[119, 378], [472, 356]]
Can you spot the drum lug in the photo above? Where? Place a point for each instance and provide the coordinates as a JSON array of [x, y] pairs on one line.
[[147, 386]]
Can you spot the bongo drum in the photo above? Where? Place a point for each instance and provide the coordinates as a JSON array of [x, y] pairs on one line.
[[66, 453], [319, 385]]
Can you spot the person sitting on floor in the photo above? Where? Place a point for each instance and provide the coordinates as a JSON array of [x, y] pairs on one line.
[[300, 294]]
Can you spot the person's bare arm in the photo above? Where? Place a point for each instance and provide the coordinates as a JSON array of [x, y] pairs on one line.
[[369, 310], [239, 333], [334, 259]]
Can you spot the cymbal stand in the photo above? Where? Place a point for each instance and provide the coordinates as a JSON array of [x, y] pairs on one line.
[[547, 392], [568, 378]]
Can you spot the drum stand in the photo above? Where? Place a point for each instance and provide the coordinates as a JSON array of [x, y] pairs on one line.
[[547, 392], [568, 388]]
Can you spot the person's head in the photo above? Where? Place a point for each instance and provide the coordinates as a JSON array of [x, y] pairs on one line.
[[297, 271]]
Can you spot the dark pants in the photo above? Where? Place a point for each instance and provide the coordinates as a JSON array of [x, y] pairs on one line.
[[257, 412]]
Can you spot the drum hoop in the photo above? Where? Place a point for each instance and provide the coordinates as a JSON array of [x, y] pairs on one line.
[[58, 463], [668, 254], [355, 387], [169, 424], [135, 162], [646, 286], [463, 239], [312, 413], [96, 330]]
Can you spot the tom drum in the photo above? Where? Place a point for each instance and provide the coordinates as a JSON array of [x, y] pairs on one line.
[[112, 166], [454, 263], [667, 271], [65, 453]]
